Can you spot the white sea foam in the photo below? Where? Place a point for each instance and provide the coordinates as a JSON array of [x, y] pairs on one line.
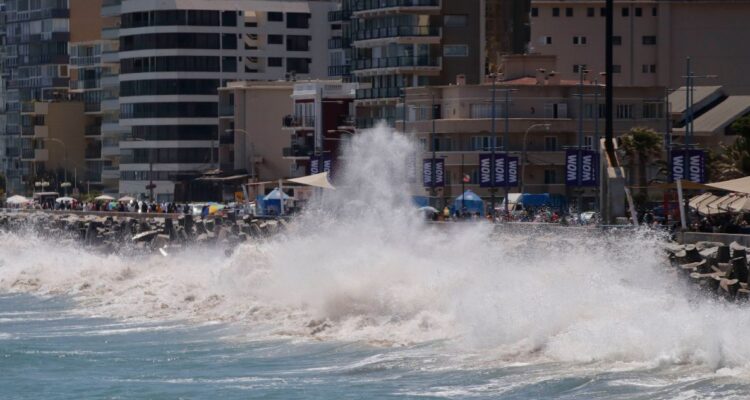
[[360, 265]]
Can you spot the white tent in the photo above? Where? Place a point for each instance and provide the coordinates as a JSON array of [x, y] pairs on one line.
[[741, 185], [126, 199], [17, 200], [104, 197], [65, 200], [317, 180]]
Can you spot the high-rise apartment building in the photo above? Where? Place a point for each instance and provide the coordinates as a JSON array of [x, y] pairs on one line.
[[507, 27], [175, 54], [389, 45], [36, 68], [652, 40]]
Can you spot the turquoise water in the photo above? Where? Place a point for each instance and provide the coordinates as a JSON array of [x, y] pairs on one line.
[[48, 351]]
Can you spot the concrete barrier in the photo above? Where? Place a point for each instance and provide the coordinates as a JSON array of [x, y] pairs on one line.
[[726, 238]]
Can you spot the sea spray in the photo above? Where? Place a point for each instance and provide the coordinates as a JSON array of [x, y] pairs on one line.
[[361, 265]]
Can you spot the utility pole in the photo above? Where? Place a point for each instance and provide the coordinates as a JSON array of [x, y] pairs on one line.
[[493, 145], [609, 93], [433, 192]]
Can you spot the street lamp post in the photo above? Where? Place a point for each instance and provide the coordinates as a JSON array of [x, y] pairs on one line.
[[493, 145], [523, 153]]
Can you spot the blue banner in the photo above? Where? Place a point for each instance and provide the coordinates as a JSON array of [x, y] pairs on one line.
[[688, 165], [581, 168], [320, 164], [512, 171], [436, 179], [504, 170]]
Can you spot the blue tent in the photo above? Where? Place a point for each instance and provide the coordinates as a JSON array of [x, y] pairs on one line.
[[272, 202], [471, 201]]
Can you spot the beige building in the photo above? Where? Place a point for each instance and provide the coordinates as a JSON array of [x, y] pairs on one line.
[[652, 40], [58, 143], [250, 128], [544, 113]]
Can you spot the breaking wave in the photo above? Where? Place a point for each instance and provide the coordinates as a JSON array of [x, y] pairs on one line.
[[361, 265]]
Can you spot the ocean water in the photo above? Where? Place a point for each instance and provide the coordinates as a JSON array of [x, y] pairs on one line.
[[360, 298]]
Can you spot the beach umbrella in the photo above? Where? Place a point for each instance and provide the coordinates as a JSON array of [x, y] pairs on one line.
[[428, 209], [126, 199], [17, 199], [214, 208], [64, 200], [741, 204], [104, 197]]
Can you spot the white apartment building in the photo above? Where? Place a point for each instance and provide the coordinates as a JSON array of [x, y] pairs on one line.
[[173, 56]]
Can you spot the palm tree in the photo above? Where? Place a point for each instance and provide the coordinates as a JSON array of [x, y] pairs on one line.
[[642, 147], [734, 162]]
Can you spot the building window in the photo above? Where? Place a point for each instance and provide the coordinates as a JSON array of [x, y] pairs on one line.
[[297, 43], [653, 110], [588, 142], [275, 39], [580, 40], [555, 11], [534, 12], [228, 41], [275, 62], [229, 18], [578, 68], [617, 40], [298, 65], [638, 12], [546, 40], [568, 12], [455, 50], [276, 16], [590, 12], [654, 11], [626, 11], [550, 176], [648, 68], [602, 12], [624, 111], [297, 20], [649, 40], [617, 68], [229, 64], [550, 143], [455, 21]]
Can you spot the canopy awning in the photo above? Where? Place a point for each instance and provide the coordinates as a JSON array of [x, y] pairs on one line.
[[686, 185], [17, 199], [741, 185], [317, 180], [223, 178]]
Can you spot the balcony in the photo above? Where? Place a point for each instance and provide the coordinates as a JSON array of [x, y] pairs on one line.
[[426, 64], [93, 130], [378, 93], [41, 131], [295, 121], [339, 70], [370, 6], [432, 32], [110, 173], [339, 15], [226, 110], [366, 123], [339, 42], [297, 152]]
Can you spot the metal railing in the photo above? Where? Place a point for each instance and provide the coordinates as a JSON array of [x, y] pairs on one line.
[[339, 70], [397, 31], [392, 62], [297, 151], [378, 93], [363, 5], [296, 121]]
